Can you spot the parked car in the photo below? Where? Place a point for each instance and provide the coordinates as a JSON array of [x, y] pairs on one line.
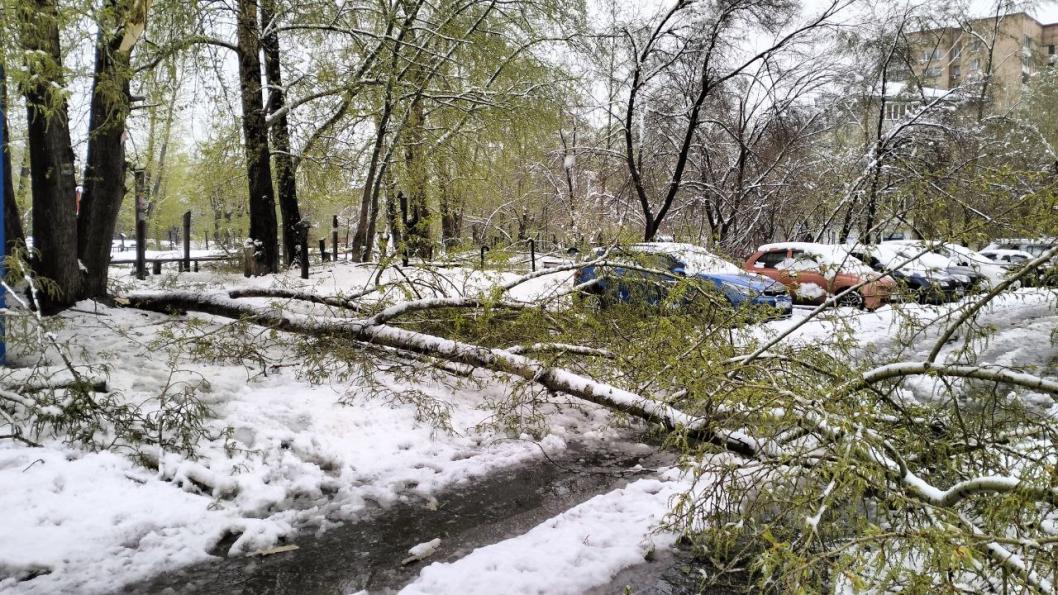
[[678, 260], [1048, 273], [1034, 247], [1013, 259], [923, 284], [974, 271], [1006, 257], [813, 272]]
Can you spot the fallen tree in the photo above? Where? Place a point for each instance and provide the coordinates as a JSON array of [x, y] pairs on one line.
[[816, 441], [496, 360]]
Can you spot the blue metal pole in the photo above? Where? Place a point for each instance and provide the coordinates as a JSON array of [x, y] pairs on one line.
[[3, 240]]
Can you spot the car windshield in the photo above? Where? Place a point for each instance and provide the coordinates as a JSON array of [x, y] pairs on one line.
[[649, 260], [956, 251], [1036, 249], [930, 260], [696, 260]]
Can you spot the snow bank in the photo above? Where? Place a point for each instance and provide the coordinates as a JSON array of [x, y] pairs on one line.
[[87, 522]]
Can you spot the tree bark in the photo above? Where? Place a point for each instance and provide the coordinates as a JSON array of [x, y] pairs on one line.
[[286, 183], [263, 232], [15, 238], [104, 176], [51, 158]]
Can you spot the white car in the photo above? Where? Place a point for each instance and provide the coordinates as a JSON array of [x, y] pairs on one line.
[[958, 260], [1007, 257], [1033, 247]]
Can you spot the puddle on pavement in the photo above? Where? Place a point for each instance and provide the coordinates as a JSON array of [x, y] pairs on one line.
[[367, 554]]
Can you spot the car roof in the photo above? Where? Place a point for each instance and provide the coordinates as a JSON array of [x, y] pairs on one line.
[[1006, 252], [1043, 240], [806, 246]]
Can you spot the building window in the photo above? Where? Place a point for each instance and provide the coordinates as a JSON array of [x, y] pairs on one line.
[[975, 65], [931, 72], [899, 73], [895, 111], [929, 55], [1050, 50], [956, 74], [956, 51]]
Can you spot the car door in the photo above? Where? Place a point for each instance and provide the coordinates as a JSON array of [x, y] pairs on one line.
[[809, 283]]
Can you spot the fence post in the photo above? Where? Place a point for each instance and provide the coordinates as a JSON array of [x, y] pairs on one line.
[[532, 253], [334, 236], [484, 249], [323, 250], [249, 259], [141, 226], [187, 242]]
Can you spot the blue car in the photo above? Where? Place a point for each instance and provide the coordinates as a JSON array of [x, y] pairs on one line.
[[625, 285]]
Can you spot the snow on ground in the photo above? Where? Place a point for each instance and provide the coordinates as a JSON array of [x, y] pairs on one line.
[[297, 458], [584, 547]]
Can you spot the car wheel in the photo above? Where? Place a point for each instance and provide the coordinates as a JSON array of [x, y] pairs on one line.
[[851, 299]]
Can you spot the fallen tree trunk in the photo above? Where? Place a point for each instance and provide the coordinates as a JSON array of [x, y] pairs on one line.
[[497, 360], [337, 301]]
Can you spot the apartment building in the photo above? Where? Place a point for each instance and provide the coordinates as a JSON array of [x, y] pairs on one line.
[[950, 57]]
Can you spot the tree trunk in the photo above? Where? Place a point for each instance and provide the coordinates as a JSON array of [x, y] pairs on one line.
[[14, 236], [417, 221], [263, 231], [449, 206], [284, 161], [156, 166], [393, 218], [51, 158], [362, 224], [104, 176], [372, 221]]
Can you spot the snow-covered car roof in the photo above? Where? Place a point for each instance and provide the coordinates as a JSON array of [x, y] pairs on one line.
[[1042, 240], [974, 257], [1034, 246], [1000, 252], [923, 253], [890, 256], [830, 254], [697, 259]]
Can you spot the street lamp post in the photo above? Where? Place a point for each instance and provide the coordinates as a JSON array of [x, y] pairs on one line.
[[3, 240]]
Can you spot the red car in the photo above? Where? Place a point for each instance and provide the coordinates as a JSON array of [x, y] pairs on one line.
[[814, 272]]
